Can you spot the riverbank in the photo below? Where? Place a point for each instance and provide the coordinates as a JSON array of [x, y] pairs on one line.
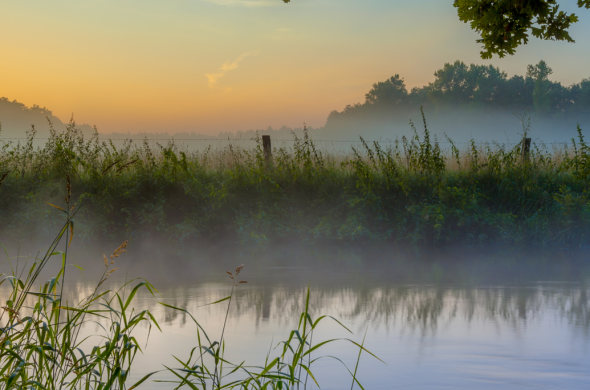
[[412, 192]]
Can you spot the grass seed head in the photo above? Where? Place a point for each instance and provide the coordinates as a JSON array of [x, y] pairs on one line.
[[119, 250], [111, 271]]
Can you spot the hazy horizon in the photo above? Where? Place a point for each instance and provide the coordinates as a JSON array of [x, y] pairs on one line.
[[224, 66], [493, 112]]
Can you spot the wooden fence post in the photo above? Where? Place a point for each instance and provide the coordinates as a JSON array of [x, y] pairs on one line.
[[266, 147], [526, 148]]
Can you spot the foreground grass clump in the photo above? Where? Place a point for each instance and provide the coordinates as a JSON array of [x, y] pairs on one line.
[[43, 346], [412, 191]]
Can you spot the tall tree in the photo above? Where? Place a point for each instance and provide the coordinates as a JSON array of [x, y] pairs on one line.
[[506, 24], [390, 91], [540, 74]]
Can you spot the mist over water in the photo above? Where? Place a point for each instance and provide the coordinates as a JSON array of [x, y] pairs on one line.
[[445, 319]]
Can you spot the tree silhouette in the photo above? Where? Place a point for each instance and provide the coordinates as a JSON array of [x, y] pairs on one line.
[[458, 85], [506, 24], [503, 25], [390, 91]]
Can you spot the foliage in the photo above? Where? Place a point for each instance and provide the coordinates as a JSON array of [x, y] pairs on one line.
[[478, 86], [503, 25], [41, 346], [506, 24], [391, 91], [410, 191]]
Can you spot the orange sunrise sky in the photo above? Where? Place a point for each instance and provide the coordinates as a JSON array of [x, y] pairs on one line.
[[228, 65]]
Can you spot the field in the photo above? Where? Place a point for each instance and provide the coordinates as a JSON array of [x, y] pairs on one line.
[[410, 192]]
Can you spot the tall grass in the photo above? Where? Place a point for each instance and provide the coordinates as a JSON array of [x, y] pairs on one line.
[[41, 346], [412, 191]]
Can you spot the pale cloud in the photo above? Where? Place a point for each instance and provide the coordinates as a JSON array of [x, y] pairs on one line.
[[246, 3], [213, 77], [227, 66], [282, 34]]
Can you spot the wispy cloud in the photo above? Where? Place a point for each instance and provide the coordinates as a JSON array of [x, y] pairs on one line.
[[213, 77], [227, 66], [282, 34], [246, 3]]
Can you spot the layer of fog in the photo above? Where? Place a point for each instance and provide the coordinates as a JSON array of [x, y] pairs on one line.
[[504, 127], [380, 285]]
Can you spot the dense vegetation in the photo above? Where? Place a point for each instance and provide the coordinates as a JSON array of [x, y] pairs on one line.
[[476, 87], [411, 191], [45, 342]]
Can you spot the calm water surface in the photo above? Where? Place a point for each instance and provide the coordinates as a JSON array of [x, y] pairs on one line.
[[436, 325]]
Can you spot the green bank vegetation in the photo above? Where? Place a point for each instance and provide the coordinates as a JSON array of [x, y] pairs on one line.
[[413, 191], [43, 344]]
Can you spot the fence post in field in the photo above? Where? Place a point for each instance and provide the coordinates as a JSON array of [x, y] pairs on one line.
[[266, 147], [526, 148]]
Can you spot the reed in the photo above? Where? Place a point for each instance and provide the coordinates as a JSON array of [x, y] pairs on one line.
[[41, 347]]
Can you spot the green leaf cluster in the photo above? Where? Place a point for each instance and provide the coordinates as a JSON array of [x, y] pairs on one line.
[[506, 24]]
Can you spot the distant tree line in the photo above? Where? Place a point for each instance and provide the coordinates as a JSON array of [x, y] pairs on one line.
[[473, 86], [16, 107], [17, 118]]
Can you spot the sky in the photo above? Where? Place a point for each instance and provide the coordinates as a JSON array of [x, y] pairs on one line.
[[227, 65]]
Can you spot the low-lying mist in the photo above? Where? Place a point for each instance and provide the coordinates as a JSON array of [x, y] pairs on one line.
[[463, 102]]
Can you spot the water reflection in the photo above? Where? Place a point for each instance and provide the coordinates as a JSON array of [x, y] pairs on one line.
[[376, 303], [467, 325], [416, 307]]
